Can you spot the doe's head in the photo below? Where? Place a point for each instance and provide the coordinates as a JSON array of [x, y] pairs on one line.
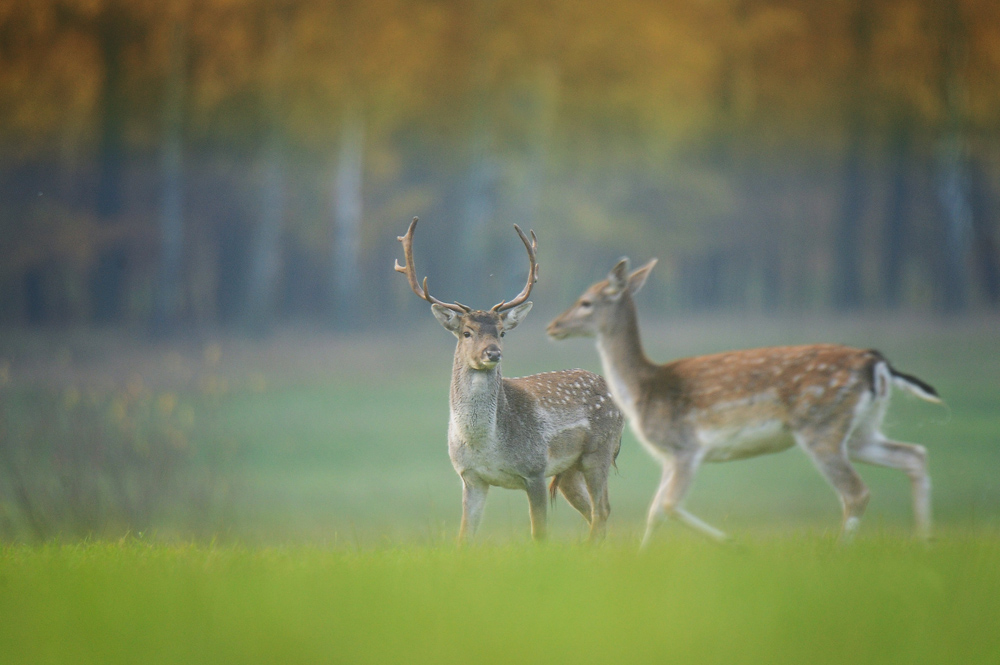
[[598, 308]]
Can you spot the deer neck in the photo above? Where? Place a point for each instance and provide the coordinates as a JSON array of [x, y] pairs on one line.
[[624, 362], [476, 400]]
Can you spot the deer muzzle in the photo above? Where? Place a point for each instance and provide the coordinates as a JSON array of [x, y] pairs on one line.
[[491, 354]]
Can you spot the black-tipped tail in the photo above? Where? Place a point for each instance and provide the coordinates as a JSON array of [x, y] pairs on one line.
[[915, 385], [907, 382]]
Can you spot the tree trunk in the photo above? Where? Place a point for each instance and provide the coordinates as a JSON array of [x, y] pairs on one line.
[[895, 233], [265, 247], [847, 292], [348, 210], [108, 277], [168, 291], [480, 211], [951, 172], [540, 104], [986, 254], [484, 169], [265, 241]]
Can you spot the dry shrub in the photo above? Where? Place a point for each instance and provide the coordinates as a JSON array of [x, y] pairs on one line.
[[91, 464]]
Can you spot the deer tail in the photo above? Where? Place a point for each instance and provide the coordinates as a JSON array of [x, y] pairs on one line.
[[554, 488], [915, 386], [907, 382]]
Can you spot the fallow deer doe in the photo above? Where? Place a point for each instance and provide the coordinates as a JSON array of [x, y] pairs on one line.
[[827, 399], [515, 433]]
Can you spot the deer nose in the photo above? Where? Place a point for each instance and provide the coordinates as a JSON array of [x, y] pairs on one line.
[[492, 353]]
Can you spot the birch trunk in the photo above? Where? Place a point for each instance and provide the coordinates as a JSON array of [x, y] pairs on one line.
[[348, 210]]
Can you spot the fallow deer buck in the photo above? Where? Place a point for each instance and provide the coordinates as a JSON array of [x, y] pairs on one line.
[[827, 399], [515, 433]]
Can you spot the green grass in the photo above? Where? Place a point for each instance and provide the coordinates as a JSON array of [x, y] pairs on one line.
[[333, 537], [792, 599]]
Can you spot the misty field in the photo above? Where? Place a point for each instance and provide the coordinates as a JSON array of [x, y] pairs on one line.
[[290, 500]]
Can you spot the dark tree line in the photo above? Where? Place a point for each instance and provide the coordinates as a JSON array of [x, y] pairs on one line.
[[181, 164]]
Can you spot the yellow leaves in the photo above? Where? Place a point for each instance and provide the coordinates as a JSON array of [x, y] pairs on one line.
[[771, 23], [213, 385], [185, 417], [176, 438], [166, 403], [135, 387], [71, 397], [659, 65], [118, 410], [213, 354], [257, 383]]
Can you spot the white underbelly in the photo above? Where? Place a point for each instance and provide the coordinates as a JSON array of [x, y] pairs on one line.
[[500, 477], [740, 441]]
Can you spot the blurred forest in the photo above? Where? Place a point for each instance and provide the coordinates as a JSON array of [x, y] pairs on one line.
[[181, 164]]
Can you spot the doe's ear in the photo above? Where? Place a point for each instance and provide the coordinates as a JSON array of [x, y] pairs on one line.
[[514, 316], [448, 318], [638, 279], [617, 279]]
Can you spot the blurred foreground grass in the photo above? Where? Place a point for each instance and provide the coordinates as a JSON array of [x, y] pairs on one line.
[[787, 599]]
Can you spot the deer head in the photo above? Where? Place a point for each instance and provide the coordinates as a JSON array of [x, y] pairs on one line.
[[597, 310], [479, 332]]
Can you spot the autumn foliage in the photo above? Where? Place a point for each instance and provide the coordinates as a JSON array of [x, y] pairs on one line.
[[241, 161]]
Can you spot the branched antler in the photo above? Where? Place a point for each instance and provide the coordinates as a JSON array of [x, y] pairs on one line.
[[411, 274], [421, 290], [532, 273]]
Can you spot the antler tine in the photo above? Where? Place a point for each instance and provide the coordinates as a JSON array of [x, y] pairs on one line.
[[411, 274], [531, 246]]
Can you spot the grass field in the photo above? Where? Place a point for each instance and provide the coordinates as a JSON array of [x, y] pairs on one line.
[[315, 510], [793, 599]]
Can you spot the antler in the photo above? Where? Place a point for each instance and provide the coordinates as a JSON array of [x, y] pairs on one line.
[[532, 273], [411, 274]]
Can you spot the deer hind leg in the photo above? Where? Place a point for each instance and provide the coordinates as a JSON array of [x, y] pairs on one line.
[[597, 487], [674, 484], [574, 489], [828, 453], [907, 457]]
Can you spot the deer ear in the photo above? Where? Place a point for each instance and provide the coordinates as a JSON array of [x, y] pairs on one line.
[[448, 318], [514, 316], [638, 279], [617, 279]]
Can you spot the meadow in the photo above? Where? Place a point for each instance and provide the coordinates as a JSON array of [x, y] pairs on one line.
[[308, 510], [790, 599]]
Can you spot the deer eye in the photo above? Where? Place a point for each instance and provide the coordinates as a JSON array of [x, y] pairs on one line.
[[502, 334], [585, 304], [467, 334]]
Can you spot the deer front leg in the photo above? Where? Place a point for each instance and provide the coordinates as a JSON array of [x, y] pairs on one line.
[[474, 492], [832, 462], [674, 484], [537, 505]]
